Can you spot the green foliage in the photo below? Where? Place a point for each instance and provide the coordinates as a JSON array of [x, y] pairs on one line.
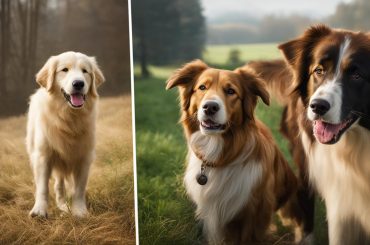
[[352, 15], [233, 28], [167, 31], [165, 214], [219, 54], [234, 57]]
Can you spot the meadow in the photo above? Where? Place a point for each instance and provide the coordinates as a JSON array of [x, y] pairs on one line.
[[166, 215], [110, 191]]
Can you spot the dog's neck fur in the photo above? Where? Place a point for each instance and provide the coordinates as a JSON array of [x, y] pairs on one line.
[[211, 148], [59, 111]]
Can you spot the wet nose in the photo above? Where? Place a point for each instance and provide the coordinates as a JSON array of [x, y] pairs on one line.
[[78, 84], [320, 106], [210, 108]]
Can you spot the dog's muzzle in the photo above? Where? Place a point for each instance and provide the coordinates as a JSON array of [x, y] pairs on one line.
[[76, 100]]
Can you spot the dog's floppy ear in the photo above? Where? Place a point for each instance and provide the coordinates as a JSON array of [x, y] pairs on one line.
[[298, 54], [294, 49], [185, 75], [185, 78], [252, 85], [97, 76], [45, 77], [256, 85], [258, 88]]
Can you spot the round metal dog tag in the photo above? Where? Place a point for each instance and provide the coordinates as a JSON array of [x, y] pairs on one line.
[[202, 179]]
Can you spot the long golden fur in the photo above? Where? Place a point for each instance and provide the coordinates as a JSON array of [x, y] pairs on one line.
[[60, 136], [248, 177]]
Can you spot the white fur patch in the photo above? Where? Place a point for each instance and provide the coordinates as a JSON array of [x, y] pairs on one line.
[[341, 173], [209, 146], [331, 91], [220, 116], [227, 191]]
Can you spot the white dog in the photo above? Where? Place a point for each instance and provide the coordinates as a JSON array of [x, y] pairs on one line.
[[61, 129]]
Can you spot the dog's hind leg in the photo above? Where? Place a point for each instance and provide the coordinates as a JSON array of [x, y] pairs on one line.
[[41, 172]]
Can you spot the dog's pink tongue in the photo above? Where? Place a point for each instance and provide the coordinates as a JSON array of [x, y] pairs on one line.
[[325, 132], [77, 99]]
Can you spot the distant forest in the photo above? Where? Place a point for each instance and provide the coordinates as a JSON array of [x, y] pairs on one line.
[[33, 30], [276, 28], [167, 31]]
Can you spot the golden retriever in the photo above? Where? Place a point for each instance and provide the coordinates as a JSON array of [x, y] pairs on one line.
[[61, 129], [236, 175]]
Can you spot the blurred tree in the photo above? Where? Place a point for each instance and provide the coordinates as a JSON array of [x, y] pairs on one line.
[[4, 42], [33, 30], [353, 15], [192, 34], [167, 31], [18, 31], [274, 28], [234, 59]]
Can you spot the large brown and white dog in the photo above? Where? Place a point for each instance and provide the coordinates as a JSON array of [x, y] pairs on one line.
[[326, 86], [61, 129], [235, 173]]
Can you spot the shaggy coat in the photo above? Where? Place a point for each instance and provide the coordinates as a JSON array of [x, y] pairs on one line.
[[248, 178], [61, 129], [326, 85]]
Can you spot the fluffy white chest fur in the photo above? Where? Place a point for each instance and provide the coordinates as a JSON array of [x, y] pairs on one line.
[[341, 173], [228, 188]]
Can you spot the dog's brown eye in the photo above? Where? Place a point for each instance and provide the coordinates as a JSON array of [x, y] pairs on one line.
[[319, 71], [202, 87], [84, 70], [230, 91], [65, 70]]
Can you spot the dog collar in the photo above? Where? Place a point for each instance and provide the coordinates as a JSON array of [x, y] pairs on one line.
[[202, 177]]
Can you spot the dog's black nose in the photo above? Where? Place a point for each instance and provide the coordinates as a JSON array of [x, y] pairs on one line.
[[320, 106], [78, 84], [210, 108]]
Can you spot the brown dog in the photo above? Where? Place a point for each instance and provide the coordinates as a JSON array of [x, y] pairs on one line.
[[326, 86], [235, 174]]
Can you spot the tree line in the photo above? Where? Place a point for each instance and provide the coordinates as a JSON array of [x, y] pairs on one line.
[[33, 30], [276, 28], [167, 31]]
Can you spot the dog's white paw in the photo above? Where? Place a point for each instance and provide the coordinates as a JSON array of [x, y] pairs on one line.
[[63, 207], [39, 210], [80, 210]]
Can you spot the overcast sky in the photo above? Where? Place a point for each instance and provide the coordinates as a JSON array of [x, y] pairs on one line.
[[259, 8]]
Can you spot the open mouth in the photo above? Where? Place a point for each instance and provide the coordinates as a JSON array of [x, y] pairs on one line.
[[211, 125], [76, 100], [328, 133]]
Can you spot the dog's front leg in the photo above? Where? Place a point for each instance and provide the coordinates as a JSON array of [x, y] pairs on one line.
[[41, 172], [80, 177]]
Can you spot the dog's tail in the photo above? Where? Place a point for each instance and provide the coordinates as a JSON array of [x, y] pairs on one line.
[[277, 75]]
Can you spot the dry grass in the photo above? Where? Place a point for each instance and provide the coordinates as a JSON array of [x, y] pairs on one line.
[[110, 192]]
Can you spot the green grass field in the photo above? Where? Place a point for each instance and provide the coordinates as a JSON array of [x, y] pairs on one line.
[[218, 54], [166, 215]]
